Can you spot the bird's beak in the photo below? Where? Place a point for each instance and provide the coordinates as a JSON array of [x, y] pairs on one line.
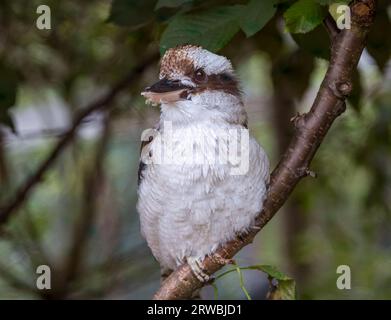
[[165, 91]]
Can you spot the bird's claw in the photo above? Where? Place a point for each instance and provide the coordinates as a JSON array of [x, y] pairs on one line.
[[196, 266]]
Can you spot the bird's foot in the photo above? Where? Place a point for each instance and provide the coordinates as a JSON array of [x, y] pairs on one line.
[[196, 266]]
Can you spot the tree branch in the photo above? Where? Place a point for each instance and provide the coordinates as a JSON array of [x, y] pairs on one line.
[[23, 192], [310, 128]]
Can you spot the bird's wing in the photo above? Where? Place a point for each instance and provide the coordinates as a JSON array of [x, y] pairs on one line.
[[143, 149], [142, 165]]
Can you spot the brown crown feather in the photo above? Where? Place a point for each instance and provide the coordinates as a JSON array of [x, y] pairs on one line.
[[177, 61]]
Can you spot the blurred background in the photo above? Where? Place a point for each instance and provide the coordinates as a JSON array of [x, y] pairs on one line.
[[71, 116]]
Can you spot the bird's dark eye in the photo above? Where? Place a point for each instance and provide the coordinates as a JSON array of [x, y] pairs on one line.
[[200, 75]]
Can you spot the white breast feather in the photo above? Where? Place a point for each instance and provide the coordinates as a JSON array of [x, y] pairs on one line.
[[188, 211]]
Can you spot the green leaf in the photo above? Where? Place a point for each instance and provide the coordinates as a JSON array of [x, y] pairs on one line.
[[211, 29], [324, 2], [132, 13], [271, 271], [331, 2], [8, 90], [171, 3], [284, 290], [304, 16], [256, 14]]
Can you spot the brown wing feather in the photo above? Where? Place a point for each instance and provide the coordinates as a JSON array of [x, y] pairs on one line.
[[142, 165]]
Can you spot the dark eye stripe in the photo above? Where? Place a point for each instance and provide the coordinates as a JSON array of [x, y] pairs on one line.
[[225, 77]]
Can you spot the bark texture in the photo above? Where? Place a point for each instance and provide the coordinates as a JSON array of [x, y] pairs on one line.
[[310, 130]]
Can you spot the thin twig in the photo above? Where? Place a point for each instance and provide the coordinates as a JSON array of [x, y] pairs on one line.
[[24, 190], [331, 26]]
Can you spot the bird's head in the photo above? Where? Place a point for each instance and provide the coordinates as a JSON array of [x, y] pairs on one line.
[[192, 80]]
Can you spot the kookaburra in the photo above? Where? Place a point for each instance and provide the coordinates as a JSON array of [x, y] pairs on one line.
[[214, 182]]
